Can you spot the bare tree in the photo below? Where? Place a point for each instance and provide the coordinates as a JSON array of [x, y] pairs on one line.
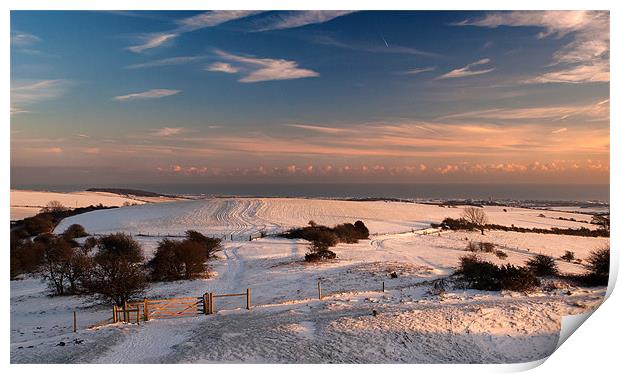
[[476, 217], [117, 271], [53, 206]]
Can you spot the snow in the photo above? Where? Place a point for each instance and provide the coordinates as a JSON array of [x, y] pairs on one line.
[[26, 203], [242, 217], [287, 323]]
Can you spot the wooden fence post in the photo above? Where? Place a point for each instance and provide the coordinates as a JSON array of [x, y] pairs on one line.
[[205, 303], [125, 313], [138, 314], [74, 321], [318, 284], [247, 301], [146, 310], [114, 314], [212, 303]]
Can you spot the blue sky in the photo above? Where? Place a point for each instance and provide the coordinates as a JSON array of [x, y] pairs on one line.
[[309, 96]]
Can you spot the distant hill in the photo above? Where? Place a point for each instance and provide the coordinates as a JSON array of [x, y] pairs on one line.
[[129, 191]]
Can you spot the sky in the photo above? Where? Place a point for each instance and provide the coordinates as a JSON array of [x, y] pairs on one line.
[[132, 97]]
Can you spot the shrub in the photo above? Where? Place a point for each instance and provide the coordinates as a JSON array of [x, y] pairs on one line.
[[484, 275], [184, 259], [501, 254], [64, 265], [211, 245], [568, 256], [41, 223], [345, 233], [598, 265], [74, 231], [456, 224], [26, 256], [175, 260], [480, 247], [361, 229], [348, 233], [117, 272], [319, 251], [542, 265], [90, 243]]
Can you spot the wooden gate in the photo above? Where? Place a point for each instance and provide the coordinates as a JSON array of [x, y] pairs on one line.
[[170, 308]]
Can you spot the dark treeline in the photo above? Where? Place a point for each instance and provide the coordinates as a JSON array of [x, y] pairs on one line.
[[49, 217], [111, 267], [462, 224]]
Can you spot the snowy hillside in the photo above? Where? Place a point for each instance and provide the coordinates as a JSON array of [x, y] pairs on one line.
[[245, 216], [355, 321]]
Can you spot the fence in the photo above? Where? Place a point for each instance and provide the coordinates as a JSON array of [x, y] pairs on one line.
[[190, 306], [171, 308], [210, 300]]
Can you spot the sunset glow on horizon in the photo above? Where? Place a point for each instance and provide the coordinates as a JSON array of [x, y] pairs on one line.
[[310, 96]]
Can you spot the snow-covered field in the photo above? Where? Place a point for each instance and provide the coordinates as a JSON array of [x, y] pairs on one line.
[[288, 323], [26, 203], [245, 216]]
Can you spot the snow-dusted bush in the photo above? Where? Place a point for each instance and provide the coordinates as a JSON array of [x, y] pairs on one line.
[[319, 251], [74, 231], [598, 265], [342, 233], [568, 256], [183, 259], [542, 265], [484, 275], [480, 247], [210, 245]]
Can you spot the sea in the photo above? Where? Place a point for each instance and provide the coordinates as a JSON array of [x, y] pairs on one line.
[[489, 192]]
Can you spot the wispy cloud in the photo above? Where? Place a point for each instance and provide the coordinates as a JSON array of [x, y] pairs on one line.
[[180, 60], [584, 59], [280, 20], [150, 94], [418, 70], [222, 67], [320, 129], [559, 131], [590, 112], [468, 70], [293, 19], [373, 48], [262, 69], [213, 18], [26, 93], [23, 39], [197, 22], [153, 40], [169, 131]]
